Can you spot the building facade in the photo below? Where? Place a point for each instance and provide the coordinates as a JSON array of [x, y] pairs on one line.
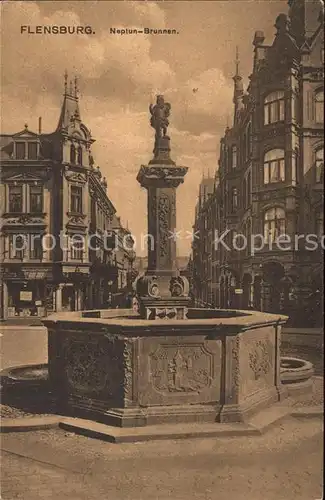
[[61, 242], [268, 188]]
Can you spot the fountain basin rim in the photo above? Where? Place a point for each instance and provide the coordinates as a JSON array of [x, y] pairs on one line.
[[123, 324]]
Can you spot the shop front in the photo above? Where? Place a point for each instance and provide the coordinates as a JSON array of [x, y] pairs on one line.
[[24, 294]]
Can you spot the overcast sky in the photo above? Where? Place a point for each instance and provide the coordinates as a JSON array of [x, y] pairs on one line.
[[120, 76]]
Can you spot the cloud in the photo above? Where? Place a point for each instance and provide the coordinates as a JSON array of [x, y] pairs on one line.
[[120, 76]]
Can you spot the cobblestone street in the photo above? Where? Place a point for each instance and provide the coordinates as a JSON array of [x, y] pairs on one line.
[[283, 464]]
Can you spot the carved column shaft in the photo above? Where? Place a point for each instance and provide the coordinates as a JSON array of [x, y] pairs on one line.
[[161, 228]]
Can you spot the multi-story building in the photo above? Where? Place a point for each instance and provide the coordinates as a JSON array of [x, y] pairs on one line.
[[60, 236], [269, 182]]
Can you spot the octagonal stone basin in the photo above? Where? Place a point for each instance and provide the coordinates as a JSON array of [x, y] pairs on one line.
[[114, 367]]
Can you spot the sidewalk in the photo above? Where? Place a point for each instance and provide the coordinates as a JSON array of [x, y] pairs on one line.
[[56, 464], [21, 322]]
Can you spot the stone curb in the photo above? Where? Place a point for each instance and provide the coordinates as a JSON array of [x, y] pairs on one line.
[[308, 412], [25, 424]]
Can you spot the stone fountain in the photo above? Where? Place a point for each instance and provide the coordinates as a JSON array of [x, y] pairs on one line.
[[167, 363]]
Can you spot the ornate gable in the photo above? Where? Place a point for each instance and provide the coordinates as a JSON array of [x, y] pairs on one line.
[[22, 177]]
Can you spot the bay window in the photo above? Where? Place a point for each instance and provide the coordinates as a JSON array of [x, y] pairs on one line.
[[274, 166], [76, 200], [274, 224], [274, 107]]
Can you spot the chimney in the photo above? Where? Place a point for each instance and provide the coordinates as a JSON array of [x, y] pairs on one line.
[[40, 125]]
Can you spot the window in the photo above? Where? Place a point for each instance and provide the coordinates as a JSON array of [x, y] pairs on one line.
[[320, 223], [274, 224], [17, 246], [249, 189], [72, 154], [234, 157], [76, 199], [234, 199], [319, 164], [245, 194], [16, 199], [20, 150], [32, 150], [76, 247], [274, 107], [249, 140], [80, 155], [36, 199], [319, 107], [274, 166], [36, 246]]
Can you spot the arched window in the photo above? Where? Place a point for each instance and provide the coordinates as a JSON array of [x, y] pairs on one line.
[[319, 164], [319, 106], [72, 154], [274, 224], [80, 155], [274, 107], [233, 156], [274, 166]]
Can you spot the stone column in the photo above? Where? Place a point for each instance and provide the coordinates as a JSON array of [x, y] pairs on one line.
[[4, 299], [162, 292], [58, 298], [161, 179]]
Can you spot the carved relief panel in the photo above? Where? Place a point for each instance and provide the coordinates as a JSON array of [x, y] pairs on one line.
[[98, 367], [257, 361], [176, 371]]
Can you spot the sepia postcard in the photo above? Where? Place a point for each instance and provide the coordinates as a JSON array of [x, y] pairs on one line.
[[162, 249]]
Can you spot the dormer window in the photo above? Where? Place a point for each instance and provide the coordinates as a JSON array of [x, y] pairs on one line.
[[274, 107], [26, 150], [32, 150], [20, 150]]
